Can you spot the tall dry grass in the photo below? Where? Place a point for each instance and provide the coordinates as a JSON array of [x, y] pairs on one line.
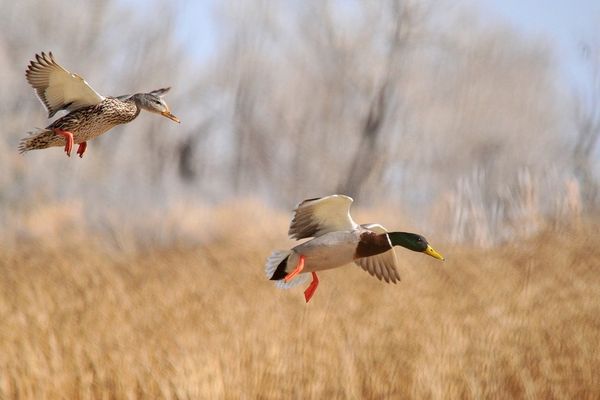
[[84, 319]]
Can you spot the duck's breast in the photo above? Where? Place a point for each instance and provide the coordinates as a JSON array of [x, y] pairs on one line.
[[89, 122], [331, 250]]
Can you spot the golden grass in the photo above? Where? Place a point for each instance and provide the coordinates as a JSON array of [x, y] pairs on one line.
[[81, 320]]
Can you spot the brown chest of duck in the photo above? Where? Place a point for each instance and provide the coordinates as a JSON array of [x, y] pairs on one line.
[[90, 114], [370, 244]]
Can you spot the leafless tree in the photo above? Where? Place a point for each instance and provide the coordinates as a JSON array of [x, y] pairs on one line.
[[587, 125]]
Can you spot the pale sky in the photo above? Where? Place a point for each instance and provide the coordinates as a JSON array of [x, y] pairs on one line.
[[562, 23]]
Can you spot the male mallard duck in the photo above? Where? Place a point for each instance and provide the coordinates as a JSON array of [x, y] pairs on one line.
[[338, 240], [90, 114]]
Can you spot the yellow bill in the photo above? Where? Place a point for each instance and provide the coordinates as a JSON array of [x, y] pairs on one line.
[[431, 252]]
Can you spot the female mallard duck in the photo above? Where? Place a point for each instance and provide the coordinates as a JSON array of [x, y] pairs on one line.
[[90, 114], [338, 240]]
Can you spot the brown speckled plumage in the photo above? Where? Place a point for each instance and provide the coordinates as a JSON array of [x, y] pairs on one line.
[[90, 114], [85, 124]]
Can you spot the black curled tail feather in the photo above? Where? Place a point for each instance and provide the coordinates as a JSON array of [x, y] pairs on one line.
[[280, 270], [276, 260]]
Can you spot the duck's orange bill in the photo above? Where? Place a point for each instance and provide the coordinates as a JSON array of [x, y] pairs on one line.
[[170, 116]]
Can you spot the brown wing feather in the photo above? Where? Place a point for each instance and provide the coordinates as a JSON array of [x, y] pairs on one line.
[[382, 266]]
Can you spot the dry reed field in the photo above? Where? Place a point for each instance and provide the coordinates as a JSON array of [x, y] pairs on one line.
[[84, 319]]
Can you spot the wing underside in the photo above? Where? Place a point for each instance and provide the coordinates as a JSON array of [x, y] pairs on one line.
[[57, 88], [316, 217]]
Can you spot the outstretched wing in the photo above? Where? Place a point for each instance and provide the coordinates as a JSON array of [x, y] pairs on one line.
[[384, 265], [158, 92], [316, 217], [57, 88], [124, 97]]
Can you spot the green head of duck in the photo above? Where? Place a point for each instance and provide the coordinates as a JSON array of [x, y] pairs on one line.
[[414, 242]]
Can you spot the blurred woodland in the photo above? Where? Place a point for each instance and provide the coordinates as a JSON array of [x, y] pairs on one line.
[[418, 106]]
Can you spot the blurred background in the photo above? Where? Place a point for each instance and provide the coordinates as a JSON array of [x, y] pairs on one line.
[[477, 119], [137, 271]]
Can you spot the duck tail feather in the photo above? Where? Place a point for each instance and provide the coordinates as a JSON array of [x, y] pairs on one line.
[[275, 264], [275, 270], [39, 138], [298, 280]]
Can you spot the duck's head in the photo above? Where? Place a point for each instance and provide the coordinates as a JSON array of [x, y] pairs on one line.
[[155, 103], [414, 242]]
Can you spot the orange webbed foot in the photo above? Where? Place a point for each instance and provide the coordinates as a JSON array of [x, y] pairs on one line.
[[312, 288], [68, 139], [81, 149], [296, 271]]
